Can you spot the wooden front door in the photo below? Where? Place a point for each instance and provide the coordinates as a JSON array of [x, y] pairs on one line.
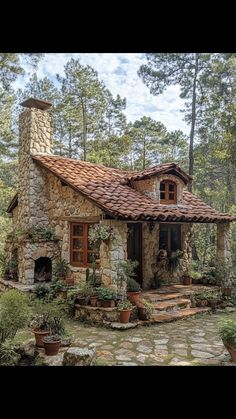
[[135, 248]]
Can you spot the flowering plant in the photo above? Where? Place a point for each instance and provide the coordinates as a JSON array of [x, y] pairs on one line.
[[99, 233]]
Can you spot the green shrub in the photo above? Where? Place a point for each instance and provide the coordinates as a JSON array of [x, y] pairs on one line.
[[106, 293], [48, 316], [228, 332], [41, 291], [8, 355], [132, 285], [14, 313]]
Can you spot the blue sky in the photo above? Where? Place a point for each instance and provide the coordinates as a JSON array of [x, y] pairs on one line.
[[119, 73]]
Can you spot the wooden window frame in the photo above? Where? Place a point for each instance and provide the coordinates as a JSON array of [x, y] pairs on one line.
[[166, 191], [169, 228], [85, 250]]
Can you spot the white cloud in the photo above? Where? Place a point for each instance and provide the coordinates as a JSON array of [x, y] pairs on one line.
[[119, 73]]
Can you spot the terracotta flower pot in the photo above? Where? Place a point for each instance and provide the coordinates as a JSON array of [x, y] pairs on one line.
[[106, 303], [187, 280], [125, 315], [52, 348], [39, 335], [232, 351], [93, 301], [133, 297]]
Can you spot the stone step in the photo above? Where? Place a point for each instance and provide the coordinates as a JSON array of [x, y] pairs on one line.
[[178, 314], [161, 297], [171, 305]]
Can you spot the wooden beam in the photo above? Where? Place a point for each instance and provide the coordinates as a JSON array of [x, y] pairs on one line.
[[75, 219]]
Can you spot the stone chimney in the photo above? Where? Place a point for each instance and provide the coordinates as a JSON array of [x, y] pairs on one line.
[[35, 130]]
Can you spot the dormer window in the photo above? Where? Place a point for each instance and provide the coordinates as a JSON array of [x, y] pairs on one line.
[[168, 192]]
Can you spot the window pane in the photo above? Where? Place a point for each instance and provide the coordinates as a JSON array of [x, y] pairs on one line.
[[163, 195], [78, 230], [78, 244], [162, 186], [163, 240], [78, 257], [171, 187], [171, 195], [176, 238]]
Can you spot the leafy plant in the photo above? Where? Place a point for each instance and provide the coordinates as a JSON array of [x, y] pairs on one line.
[[126, 268], [52, 338], [228, 332], [61, 269], [84, 290], [148, 308], [173, 261], [124, 305], [32, 233], [8, 354], [105, 293], [99, 233], [41, 291], [14, 313], [132, 285]]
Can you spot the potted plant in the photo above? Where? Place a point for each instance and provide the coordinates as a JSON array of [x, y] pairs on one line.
[[40, 327], [133, 290], [61, 270], [228, 336], [52, 344], [84, 294], [126, 271], [187, 279], [145, 309], [106, 296], [173, 261], [124, 308], [99, 233]]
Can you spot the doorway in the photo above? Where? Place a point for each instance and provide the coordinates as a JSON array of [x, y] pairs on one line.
[[134, 248]]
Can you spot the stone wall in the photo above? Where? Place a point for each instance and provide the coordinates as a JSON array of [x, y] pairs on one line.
[[152, 267], [35, 137], [113, 252], [151, 187], [64, 202], [150, 250], [29, 252]]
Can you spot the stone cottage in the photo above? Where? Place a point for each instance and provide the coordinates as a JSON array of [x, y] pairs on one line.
[[151, 212]]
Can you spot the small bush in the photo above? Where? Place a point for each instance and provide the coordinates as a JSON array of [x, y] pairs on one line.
[[41, 291], [14, 313], [228, 332], [8, 355]]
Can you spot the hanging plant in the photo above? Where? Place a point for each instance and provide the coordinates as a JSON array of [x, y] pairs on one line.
[[100, 233]]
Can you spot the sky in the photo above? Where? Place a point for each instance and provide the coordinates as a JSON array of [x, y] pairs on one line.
[[119, 73]]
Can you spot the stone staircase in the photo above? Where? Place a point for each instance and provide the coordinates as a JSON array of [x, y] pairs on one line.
[[173, 303]]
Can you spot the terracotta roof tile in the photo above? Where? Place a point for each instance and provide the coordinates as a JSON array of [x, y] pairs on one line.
[[108, 188]]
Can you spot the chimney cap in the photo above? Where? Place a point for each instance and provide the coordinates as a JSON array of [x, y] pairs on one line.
[[36, 103]]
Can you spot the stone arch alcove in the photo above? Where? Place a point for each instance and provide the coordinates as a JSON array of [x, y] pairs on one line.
[[43, 270]]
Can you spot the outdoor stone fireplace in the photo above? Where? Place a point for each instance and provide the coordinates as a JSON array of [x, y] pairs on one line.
[[37, 260], [43, 270]]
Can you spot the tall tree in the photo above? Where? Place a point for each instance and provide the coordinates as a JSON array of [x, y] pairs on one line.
[[12, 65], [147, 135], [84, 93], [186, 70]]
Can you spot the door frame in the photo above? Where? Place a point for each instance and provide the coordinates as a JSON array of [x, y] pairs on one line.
[[140, 249]]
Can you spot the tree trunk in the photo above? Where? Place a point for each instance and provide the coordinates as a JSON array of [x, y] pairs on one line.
[[191, 159], [84, 128], [144, 154]]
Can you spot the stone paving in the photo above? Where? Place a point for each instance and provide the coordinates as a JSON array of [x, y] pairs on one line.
[[193, 341]]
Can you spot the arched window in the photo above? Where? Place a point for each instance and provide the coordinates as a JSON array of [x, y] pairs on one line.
[[168, 192]]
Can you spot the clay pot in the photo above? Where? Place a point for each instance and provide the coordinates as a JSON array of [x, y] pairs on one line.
[[39, 335], [93, 301], [187, 280], [106, 303], [133, 297], [69, 280], [52, 348], [124, 315]]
